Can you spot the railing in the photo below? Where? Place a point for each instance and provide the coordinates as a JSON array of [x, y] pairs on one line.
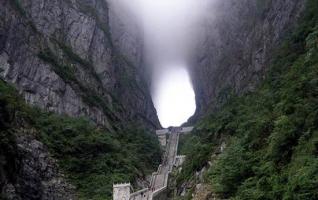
[[162, 189], [166, 177], [141, 194], [154, 175], [162, 173]]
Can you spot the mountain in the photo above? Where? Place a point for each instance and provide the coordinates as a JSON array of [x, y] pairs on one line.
[[76, 113], [237, 45], [258, 139], [91, 121], [76, 58]]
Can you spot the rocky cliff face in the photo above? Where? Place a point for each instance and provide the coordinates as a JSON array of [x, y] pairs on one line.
[[32, 173], [75, 57], [238, 39], [84, 58]]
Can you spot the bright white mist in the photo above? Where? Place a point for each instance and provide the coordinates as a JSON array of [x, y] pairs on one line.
[[171, 29], [174, 97], [170, 35]]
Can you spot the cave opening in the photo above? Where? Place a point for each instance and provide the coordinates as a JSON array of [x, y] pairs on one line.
[[170, 32], [173, 96]]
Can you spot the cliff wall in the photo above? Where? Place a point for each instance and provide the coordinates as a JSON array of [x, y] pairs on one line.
[[76, 58], [237, 44], [79, 58]]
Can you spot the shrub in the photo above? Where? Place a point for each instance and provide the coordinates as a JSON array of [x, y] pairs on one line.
[[272, 133], [91, 157]]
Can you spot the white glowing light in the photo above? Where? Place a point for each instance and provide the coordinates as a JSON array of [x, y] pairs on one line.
[[168, 36], [170, 30], [174, 97]]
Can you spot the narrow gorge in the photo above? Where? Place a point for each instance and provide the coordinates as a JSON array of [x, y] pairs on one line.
[[80, 104]]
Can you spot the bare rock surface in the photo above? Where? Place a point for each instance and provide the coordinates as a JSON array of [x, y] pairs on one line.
[[65, 57], [72, 57], [36, 174], [237, 42]]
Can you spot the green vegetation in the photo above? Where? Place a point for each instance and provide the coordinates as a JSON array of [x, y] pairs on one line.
[[271, 134], [91, 157], [94, 158]]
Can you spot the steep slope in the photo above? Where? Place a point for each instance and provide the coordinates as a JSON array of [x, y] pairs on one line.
[[264, 144], [61, 55], [237, 42], [82, 58], [80, 65], [43, 153]]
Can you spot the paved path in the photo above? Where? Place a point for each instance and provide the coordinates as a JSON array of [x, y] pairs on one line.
[[159, 179]]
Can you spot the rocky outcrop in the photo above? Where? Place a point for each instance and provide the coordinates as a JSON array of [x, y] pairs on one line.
[[84, 58], [71, 57], [32, 173], [238, 38]]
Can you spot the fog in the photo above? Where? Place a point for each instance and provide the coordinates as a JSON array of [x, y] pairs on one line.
[[174, 97], [170, 32]]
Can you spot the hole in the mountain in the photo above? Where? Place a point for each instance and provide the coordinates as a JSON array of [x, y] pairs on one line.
[[173, 96], [170, 30]]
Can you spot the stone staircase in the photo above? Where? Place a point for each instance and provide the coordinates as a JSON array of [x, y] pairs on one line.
[[159, 179]]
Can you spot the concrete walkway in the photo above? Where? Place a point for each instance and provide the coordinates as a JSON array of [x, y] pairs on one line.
[[159, 180]]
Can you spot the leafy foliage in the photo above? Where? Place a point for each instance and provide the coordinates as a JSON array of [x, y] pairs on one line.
[[272, 134], [91, 157]]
